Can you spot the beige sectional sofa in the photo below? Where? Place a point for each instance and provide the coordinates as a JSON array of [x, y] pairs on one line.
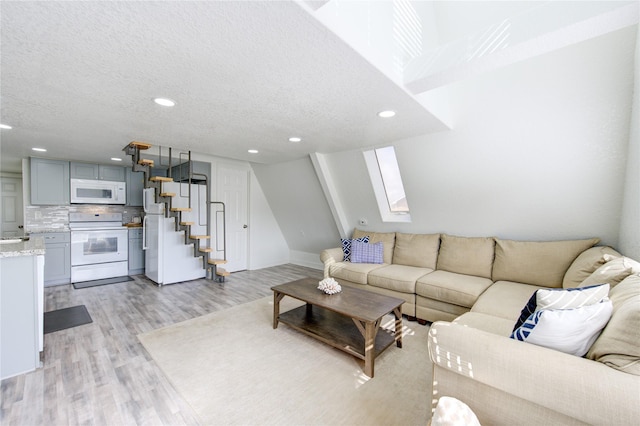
[[473, 290], [441, 276]]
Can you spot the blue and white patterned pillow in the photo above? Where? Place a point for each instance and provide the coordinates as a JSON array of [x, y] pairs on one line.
[[346, 246], [366, 253], [562, 299], [572, 331]]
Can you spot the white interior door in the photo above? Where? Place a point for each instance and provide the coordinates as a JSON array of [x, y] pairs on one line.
[[233, 191], [11, 207]]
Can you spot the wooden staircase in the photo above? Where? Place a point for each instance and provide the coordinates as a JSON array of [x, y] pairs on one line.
[[201, 243]]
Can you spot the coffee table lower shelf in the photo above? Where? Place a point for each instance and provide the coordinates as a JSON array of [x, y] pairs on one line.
[[334, 329]]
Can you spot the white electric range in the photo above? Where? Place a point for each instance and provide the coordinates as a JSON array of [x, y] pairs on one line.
[[99, 246]]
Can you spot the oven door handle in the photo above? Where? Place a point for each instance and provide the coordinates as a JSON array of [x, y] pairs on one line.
[[144, 233]]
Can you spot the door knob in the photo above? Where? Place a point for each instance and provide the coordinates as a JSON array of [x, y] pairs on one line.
[[244, 226], [20, 226]]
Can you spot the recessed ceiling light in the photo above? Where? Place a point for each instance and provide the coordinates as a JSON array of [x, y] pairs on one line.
[[164, 102], [295, 139], [39, 149], [386, 114], [5, 126], [252, 151], [116, 159]]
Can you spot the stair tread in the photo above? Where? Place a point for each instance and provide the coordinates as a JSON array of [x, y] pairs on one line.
[[222, 272], [206, 250], [146, 161], [160, 179], [187, 223], [199, 237], [167, 194], [180, 209], [140, 145], [217, 261]]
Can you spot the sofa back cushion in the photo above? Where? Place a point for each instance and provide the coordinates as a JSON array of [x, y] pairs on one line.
[[466, 255], [618, 345], [539, 263], [388, 241], [420, 250], [613, 271], [586, 264]]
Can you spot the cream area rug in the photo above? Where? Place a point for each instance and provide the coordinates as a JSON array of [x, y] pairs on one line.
[[233, 368]]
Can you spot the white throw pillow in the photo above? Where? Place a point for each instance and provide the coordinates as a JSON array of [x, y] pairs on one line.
[[562, 299], [453, 412], [572, 331], [570, 298]]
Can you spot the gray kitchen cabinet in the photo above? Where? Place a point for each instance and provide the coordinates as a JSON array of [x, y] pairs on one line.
[[180, 173], [135, 187], [57, 257], [97, 172], [49, 182], [158, 171], [136, 254], [84, 171], [114, 173]]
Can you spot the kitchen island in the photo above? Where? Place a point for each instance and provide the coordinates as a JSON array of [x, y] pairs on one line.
[[21, 305]]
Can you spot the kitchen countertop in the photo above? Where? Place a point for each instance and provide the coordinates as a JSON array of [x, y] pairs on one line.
[[48, 230], [32, 247]]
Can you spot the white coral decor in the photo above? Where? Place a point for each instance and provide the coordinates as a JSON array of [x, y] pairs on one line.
[[329, 286]]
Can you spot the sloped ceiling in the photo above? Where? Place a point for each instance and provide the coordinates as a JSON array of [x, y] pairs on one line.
[[78, 78]]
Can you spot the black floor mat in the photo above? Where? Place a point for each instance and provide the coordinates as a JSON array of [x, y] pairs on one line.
[[104, 281], [66, 318]]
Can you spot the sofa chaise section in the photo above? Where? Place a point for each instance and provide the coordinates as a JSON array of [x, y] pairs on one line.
[[506, 381]]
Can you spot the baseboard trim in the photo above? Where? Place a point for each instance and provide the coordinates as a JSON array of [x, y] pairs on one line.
[[309, 260]]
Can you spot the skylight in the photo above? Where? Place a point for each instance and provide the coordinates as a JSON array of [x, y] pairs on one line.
[[387, 184]]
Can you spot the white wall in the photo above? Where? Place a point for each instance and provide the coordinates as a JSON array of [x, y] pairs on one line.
[[537, 152], [630, 223], [300, 207]]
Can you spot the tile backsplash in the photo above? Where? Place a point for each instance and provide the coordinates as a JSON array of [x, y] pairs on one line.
[[47, 218]]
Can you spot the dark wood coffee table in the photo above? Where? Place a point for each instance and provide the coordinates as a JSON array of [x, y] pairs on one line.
[[349, 320]]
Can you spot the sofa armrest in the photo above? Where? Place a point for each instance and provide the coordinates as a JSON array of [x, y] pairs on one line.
[[577, 387], [330, 256]]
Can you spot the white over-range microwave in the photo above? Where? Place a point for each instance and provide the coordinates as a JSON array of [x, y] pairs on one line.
[[87, 191]]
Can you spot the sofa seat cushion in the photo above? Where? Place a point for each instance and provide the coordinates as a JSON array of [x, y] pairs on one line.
[[420, 250], [409, 305], [495, 325], [543, 263], [354, 272], [505, 299], [400, 278], [435, 310], [469, 256], [450, 287], [388, 241]]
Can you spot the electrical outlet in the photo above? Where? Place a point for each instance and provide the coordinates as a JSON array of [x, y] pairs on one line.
[[363, 221]]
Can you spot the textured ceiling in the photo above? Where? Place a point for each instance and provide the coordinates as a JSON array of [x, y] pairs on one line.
[[78, 78]]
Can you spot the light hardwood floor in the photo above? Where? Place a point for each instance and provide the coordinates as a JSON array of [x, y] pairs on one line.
[[100, 374]]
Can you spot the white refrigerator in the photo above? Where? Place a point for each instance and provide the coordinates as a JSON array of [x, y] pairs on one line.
[[167, 258]]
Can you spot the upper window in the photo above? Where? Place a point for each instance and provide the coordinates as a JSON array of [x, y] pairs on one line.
[[387, 184]]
